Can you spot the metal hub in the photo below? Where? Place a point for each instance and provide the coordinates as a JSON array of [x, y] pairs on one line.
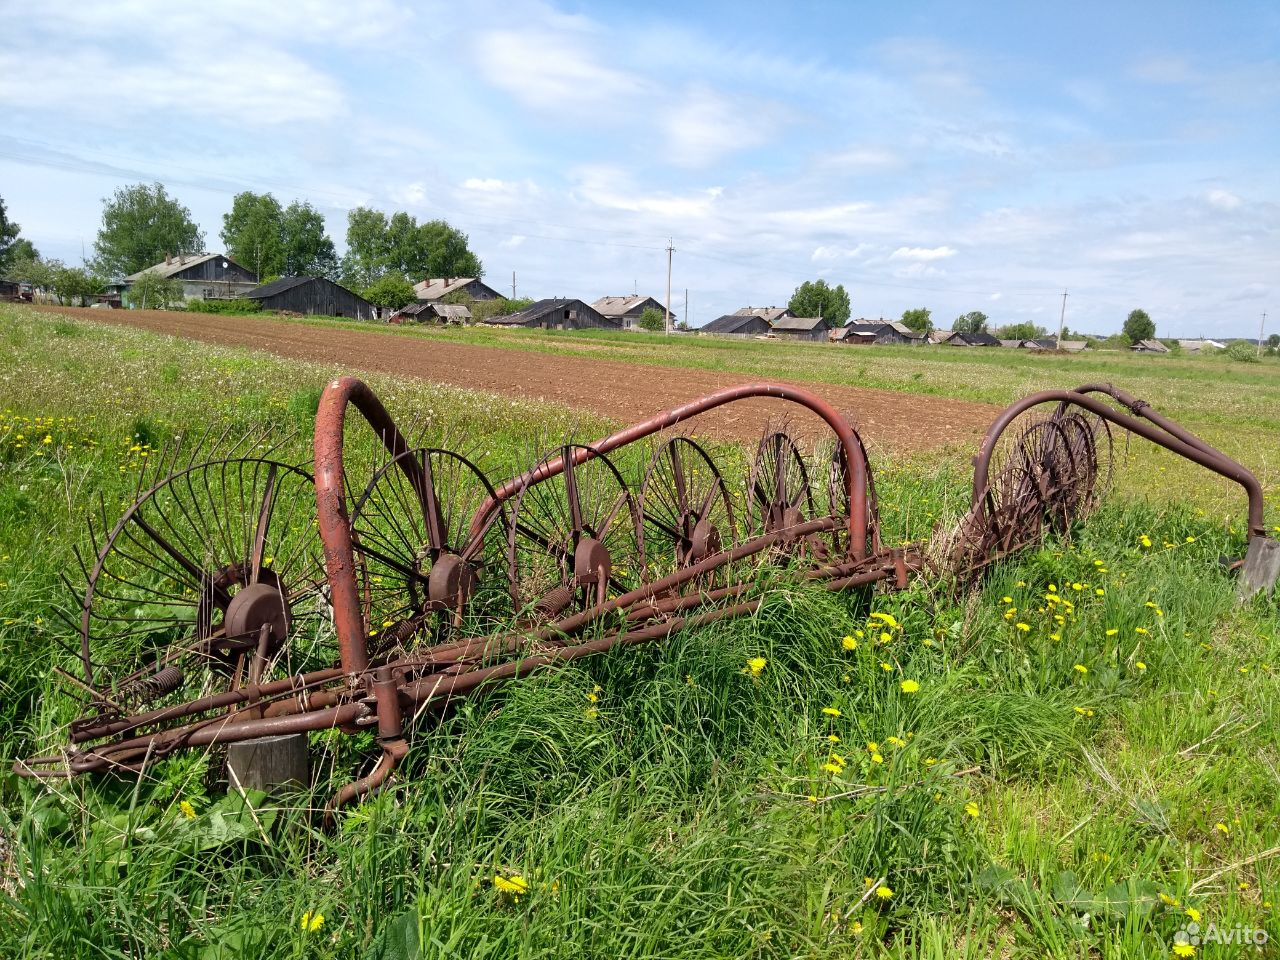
[[452, 581], [255, 605], [591, 562]]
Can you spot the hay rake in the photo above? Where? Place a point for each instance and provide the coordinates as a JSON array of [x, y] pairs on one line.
[[246, 598]]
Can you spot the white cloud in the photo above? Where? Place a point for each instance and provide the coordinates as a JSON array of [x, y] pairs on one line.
[[1222, 199], [251, 86], [922, 254], [704, 126], [613, 190], [488, 185], [552, 68], [827, 254], [513, 241]]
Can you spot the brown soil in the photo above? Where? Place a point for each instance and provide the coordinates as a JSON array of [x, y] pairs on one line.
[[621, 391]]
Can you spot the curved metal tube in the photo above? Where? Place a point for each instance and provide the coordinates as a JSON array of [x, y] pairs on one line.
[[858, 480], [1195, 450]]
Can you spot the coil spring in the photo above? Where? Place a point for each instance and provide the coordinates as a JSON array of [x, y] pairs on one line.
[[157, 685], [554, 601]]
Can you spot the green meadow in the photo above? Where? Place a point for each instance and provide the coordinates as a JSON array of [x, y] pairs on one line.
[[1078, 758]]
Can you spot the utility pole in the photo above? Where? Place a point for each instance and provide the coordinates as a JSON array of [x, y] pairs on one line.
[[1262, 324], [1062, 320], [513, 284], [687, 322], [667, 306]]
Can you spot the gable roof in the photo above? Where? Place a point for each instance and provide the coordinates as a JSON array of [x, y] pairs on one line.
[[770, 314], [1150, 346], [801, 324], [435, 288], [974, 339], [543, 307], [279, 286], [183, 261], [731, 323], [621, 306]]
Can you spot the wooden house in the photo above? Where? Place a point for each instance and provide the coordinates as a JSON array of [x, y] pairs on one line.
[[736, 325], [313, 295], [470, 287], [815, 329], [628, 310], [204, 276], [558, 314]]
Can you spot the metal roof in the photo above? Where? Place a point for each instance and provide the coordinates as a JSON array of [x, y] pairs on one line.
[[799, 323], [620, 306], [279, 286], [729, 323], [434, 289], [772, 314], [183, 261]]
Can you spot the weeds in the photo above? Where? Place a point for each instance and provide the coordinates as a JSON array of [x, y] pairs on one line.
[[1076, 760]]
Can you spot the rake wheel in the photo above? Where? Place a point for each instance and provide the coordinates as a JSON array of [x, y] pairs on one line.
[[423, 568], [687, 509], [778, 490], [203, 582], [573, 537]]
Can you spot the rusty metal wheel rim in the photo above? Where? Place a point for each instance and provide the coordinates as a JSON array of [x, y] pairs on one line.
[[686, 506]]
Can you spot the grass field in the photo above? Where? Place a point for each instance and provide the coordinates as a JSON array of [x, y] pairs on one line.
[[1075, 787]]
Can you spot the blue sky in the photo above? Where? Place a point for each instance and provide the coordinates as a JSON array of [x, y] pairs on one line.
[[956, 157]]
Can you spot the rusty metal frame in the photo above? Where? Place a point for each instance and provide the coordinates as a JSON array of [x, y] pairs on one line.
[[389, 695]]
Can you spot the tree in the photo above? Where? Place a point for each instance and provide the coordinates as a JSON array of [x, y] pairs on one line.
[[814, 298], [74, 285], [366, 247], [1243, 351], [140, 225], [153, 291], [1273, 341], [1020, 331], [252, 232], [306, 247], [1139, 326], [918, 319], [448, 252], [975, 321], [652, 319], [378, 244], [393, 290], [8, 237]]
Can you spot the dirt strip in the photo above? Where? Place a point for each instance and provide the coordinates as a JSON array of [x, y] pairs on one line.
[[624, 392]]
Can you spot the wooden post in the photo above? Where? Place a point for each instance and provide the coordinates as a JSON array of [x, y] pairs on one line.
[[269, 763]]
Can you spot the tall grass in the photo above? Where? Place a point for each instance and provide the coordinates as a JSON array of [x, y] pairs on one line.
[[1038, 787]]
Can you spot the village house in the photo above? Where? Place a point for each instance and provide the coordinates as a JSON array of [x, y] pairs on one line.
[[1149, 346], [470, 287], [860, 331], [1199, 345], [736, 325], [970, 340], [428, 312], [313, 295], [801, 328], [204, 276], [627, 310], [558, 314], [770, 315]]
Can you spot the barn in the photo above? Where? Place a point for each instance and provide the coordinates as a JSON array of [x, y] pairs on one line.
[[737, 325], [802, 328], [878, 331], [204, 276], [558, 314], [315, 295]]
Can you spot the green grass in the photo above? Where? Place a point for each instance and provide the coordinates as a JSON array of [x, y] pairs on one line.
[[1022, 808]]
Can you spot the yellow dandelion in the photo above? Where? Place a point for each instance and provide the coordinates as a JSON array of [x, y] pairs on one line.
[[832, 712], [910, 686], [887, 619], [1194, 914], [756, 665], [877, 758], [1183, 950], [187, 809], [312, 921], [885, 638], [514, 885], [972, 810], [1222, 828], [849, 643], [884, 892], [1080, 668], [1112, 632], [1141, 666], [1023, 627]]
